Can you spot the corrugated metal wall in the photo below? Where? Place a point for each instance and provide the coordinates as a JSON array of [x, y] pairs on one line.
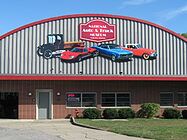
[[18, 51]]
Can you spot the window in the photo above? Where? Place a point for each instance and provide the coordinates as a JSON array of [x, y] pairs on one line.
[[115, 99], [85, 50], [113, 46], [104, 46], [88, 100], [76, 50], [123, 100], [58, 38], [182, 98], [81, 99], [166, 99], [74, 100], [51, 39], [108, 99]]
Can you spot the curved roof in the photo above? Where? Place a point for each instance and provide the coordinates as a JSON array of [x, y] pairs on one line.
[[93, 15]]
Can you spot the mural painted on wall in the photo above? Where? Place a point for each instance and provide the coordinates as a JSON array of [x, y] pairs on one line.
[[55, 46], [140, 52], [95, 31]]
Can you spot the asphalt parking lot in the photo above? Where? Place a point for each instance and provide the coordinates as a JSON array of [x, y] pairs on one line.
[[52, 130]]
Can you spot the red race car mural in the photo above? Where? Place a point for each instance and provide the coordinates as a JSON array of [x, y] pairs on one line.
[[78, 54], [138, 51]]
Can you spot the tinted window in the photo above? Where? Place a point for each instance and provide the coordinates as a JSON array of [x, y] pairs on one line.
[[113, 46], [115, 99], [85, 50], [123, 100], [166, 99], [104, 46], [76, 50], [108, 99], [74, 100], [88, 100], [81, 99], [182, 99]]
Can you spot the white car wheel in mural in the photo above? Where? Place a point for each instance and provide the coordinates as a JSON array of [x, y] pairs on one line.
[[145, 56], [80, 58], [39, 52], [113, 58]]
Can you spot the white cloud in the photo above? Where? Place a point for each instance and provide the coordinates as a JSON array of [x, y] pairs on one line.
[[172, 14], [136, 2]]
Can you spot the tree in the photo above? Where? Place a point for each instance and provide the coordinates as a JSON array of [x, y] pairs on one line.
[[184, 34]]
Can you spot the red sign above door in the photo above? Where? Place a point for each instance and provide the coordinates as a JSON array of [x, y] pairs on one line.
[[97, 31]]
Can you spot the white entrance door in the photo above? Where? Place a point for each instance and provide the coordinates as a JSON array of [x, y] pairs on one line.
[[44, 104]]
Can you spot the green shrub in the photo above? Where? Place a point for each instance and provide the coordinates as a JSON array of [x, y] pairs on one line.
[[148, 110], [125, 113], [184, 114], [140, 114], [110, 113], [91, 113], [171, 113]]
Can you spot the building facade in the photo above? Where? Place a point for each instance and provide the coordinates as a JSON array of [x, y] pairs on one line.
[[38, 81]]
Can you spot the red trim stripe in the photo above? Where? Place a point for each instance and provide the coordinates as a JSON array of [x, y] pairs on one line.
[[93, 15], [83, 78]]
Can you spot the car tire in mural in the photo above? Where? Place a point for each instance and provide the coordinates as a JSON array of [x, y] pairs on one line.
[[95, 53], [48, 54], [113, 58], [145, 56], [39, 51]]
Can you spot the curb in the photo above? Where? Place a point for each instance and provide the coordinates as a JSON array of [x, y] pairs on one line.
[[72, 120]]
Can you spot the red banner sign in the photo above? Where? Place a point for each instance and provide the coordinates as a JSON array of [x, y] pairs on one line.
[[97, 31]]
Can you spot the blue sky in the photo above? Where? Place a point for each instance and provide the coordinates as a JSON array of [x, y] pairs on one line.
[[171, 14]]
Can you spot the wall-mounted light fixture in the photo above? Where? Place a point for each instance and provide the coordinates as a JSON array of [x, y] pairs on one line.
[[29, 94], [58, 94]]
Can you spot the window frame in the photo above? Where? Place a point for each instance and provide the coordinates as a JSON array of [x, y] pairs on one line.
[[81, 99], [166, 92], [126, 92]]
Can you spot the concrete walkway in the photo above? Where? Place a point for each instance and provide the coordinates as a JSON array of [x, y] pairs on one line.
[[53, 130]]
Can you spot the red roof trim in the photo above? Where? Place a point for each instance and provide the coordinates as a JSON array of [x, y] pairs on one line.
[[93, 15], [83, 78]]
